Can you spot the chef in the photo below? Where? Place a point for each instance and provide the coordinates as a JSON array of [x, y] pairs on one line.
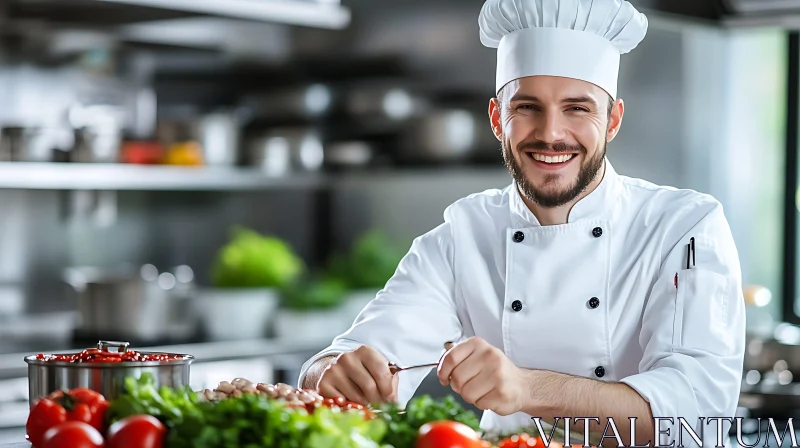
[[575, 291]]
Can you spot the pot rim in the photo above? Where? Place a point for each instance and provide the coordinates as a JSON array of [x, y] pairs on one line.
[[185, 360]]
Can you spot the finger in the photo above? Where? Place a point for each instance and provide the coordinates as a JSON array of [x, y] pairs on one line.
[[378, 368], [452, 359], [328, 390], [350, 390], [476, 389], [465, 372], [362, 377], [395, 385], [485, 402]]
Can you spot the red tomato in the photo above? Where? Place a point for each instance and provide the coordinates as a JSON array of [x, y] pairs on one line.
[[137, 431], [525, 441], [72, 435], [447, 434], [45, 415]]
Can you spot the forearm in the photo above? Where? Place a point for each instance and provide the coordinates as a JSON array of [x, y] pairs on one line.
[[316, 370], [559, 395]]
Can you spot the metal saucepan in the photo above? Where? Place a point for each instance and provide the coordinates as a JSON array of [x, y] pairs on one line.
[[447, 135], [47, 376], [128, 303]]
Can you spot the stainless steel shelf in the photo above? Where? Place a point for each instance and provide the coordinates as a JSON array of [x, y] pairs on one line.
[[322, 14], [74, 176]]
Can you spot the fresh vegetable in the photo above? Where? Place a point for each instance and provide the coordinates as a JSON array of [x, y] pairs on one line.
[[94, 355], [370, 263], [71, 435], [311, 294], [254, 420], [251, 260], [77, 405], [447, 434], [142, 397], [246, 420], [523, 441], [137, 431], [403, 425], [44, 415]]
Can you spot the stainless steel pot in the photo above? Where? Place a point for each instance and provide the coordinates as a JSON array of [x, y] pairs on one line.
[[45, 377], [130, 304], [447, 135]]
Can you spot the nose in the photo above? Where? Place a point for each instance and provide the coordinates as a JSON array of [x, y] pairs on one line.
[[550, 127]]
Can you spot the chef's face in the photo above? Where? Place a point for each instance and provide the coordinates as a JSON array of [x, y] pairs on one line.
[[554, 132]]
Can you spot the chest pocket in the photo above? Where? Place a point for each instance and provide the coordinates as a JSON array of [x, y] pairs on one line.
[[701, 313]]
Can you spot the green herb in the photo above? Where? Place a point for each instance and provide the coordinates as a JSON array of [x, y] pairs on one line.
[[249, 421], [403, 425], [314, 294], [371, 262], [251, 260]]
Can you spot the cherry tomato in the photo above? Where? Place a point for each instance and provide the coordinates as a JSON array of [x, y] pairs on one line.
[[72, 435], [525, 441], [137, 431], [447, 434], [44, 415]]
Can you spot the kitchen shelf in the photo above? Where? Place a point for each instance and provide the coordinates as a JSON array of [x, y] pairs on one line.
[[122, 177], [327, 14], [321, 14], [97, 176]]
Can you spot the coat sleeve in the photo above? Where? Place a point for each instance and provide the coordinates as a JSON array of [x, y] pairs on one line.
[[693, 335], [412, 316]]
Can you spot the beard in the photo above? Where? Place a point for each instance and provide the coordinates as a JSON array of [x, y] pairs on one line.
[[548, 197]]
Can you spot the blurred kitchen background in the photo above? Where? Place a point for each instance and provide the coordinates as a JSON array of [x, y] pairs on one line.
[[171, 170]]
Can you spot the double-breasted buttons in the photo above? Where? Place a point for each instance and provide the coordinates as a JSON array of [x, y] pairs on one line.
[[516, 305], [594, 302], [518, 237], [600, 371], [597, 232]]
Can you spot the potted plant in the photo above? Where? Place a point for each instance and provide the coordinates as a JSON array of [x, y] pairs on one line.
[[310, 309], [370, 263], [247, 275]]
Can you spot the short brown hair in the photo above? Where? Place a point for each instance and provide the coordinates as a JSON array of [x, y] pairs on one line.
[[501, 98]]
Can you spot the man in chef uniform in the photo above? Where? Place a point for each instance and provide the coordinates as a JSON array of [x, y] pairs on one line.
[[568, 293]]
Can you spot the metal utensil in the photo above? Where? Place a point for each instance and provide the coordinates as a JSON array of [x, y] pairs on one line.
[[394, 368]]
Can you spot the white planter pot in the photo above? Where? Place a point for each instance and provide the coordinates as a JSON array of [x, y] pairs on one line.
[[317, 326], [233, 314]]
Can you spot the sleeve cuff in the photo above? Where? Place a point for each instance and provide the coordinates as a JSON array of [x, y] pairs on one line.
[[670, 395], [338, 346]]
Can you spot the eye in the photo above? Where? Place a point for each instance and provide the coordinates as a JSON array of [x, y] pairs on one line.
[[527, 107], [578, 109]]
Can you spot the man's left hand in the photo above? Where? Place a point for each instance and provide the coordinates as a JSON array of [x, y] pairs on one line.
[[485, 377]]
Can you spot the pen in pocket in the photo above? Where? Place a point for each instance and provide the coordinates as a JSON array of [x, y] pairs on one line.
[[690, 258]]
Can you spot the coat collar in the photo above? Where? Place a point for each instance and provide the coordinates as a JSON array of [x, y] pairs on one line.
[[592, 206]]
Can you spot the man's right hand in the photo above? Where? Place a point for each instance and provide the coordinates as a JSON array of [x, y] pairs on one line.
[[361, 376]]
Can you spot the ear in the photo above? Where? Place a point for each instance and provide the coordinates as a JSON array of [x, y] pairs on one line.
[[494, 118], [615, 121]]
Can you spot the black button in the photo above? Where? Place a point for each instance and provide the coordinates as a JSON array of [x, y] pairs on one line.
[[594, 302], [600, 371], [597, 232], [516, 305], [518, 237]]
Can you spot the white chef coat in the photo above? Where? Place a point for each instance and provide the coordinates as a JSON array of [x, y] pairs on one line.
[[492, 271]]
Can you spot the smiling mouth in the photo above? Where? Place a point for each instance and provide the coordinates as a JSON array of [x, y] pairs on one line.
[[551, 160]]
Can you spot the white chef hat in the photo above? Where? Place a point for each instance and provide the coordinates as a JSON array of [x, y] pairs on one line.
[[580, 39]]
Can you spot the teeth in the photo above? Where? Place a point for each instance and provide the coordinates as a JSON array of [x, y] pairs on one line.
[[552, 159]]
